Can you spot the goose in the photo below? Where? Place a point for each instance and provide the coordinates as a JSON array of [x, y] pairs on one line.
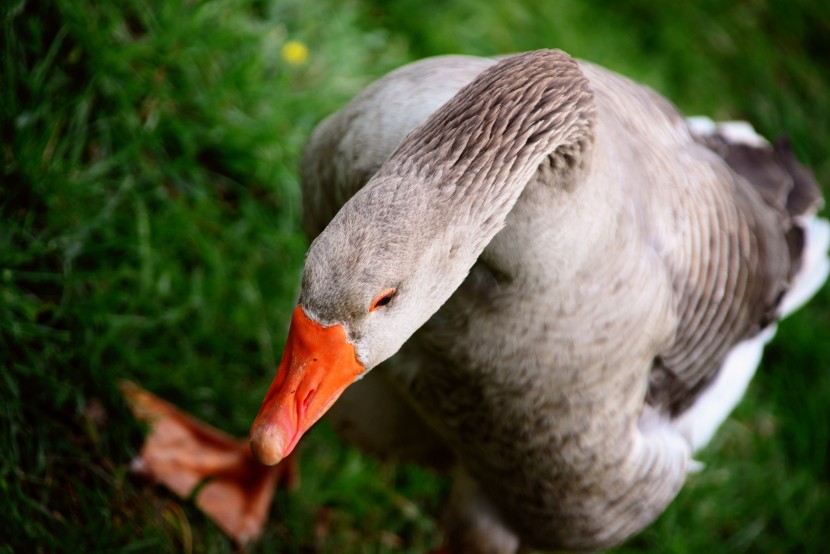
[[540, 275]]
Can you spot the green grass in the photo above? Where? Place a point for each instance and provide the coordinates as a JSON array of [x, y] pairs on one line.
[[149, 229]]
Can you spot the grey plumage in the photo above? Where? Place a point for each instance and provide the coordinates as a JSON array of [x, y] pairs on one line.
[[572, 267]]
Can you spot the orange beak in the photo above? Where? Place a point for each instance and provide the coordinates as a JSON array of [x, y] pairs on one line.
[[317, 365]]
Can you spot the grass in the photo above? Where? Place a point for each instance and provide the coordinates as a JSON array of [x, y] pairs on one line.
[[149, 229]]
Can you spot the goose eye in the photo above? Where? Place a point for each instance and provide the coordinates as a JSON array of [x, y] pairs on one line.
[[382, 300]]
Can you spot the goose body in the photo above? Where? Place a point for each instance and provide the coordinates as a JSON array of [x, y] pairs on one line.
[[560, 285]]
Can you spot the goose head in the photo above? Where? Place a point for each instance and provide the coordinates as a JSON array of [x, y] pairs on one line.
[[371, 279], [400, 247]]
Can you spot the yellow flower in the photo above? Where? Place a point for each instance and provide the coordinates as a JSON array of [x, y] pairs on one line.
[[295, 52]]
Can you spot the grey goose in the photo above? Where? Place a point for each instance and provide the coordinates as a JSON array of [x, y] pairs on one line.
[[540, 275]]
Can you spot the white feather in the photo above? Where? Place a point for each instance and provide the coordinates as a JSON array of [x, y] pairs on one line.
[[815, 266], [739, 132], [701, 421]]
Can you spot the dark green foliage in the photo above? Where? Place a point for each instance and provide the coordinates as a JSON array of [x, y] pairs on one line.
[[149, 229]]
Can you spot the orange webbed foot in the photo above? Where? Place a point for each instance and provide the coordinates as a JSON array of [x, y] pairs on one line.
[[181, 453]]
